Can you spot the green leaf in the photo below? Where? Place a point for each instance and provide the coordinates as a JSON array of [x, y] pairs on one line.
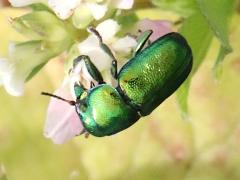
[[196, 30], [212, 18], [41, 25], [217, 14], [50, 37], [183, 7], [182, 97], [29, 57], [35, 71], [40, 7], [51, 50], [217, 68], [126, 21]]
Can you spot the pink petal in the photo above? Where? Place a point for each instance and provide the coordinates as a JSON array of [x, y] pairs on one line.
[[62, 122], [159, 27]]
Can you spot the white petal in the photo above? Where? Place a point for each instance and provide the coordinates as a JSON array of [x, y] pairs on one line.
[[14, 84], [81, 69], [67, 82], [4, 65], [82, 16], [100, 59], [123, 4], [62, 122], [108, 29], [88, 44], [97, 10], [125, 44], [21, 3], [11, 47], [63, 8], [91, 48], [79, 74]]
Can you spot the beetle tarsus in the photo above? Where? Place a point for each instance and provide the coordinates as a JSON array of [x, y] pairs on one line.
[[86, 135], [92, 85]]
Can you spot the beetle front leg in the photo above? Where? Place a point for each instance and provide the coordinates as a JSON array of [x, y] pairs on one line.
[[79, 89], [107, 50], [89, 68]]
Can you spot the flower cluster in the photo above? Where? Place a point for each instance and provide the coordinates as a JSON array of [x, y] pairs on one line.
[[82, 12], [57, 26]]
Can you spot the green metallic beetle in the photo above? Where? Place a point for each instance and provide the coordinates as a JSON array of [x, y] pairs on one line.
[[144, 82]]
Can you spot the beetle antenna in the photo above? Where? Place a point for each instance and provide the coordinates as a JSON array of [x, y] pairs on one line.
[[72, 103]]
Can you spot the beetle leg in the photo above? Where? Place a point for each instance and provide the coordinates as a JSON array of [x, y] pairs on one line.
[[78, 90], [86, 135], [92, 70], [114, 69], [141, 41], [92, 84], [107, 50]]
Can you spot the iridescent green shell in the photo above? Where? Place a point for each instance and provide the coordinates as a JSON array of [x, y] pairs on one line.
[[156, 72], [105, 112], [144, 82]]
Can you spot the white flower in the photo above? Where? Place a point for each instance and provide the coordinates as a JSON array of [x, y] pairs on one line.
[[23, 58], [119, 46], [64, 9]]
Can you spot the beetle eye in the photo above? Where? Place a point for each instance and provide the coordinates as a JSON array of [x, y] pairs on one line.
[[83, 107]]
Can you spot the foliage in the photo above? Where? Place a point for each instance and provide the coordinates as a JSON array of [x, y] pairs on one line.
[[158, 146], [207, 18]]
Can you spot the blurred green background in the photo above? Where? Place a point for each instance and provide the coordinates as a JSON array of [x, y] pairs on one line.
[[159, 146]]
